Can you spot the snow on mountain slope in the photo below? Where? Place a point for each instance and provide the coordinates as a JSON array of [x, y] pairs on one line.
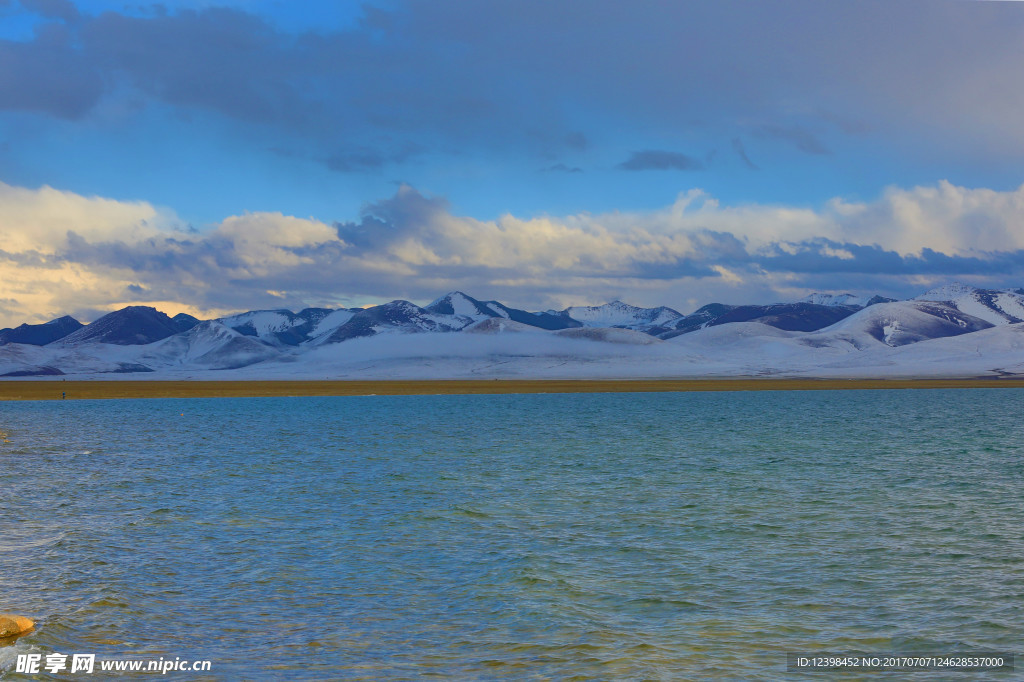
[[997, 350], [462, 307], [619, 314], [533, 353], [262, 323], [804, 317], [285, 328], [84, 359], [946, 292], [459, 304], [549, 319], [500, 325], [212, 345], [995, 307], [984, 307], [937, 334], [208, 345], [900, 323], [835, 299], [497, 309], [721, 335], [699, 319], [394, 317], [747, 349], [19, 359], [330, 322], [1011, 303], [992, 352], [752, 349]]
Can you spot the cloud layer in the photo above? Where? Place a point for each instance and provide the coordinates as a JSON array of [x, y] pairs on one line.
[[66, 253], [463, 71]]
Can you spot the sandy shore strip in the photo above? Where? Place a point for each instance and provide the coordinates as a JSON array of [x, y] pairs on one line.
[[72, 390]]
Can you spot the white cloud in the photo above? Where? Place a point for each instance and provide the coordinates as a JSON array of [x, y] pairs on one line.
[[945, 218], [65, 253], [40, 219], [264, 242]]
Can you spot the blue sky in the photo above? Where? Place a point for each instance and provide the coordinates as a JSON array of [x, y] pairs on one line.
[[218, 156]]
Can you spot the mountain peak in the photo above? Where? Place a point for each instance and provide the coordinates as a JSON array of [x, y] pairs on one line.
[[183, 322], [65, 319], [619, 314], [458, 303], [449, 297], [134, 325], [947, 292], [834, 299]]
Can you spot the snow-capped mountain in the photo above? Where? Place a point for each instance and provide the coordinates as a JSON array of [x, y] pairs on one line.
[[996, 307], [619, 314], [326, 325], [460, 305], [210, 344], [498, 325], [395, 317], [901, 323], [804, 317], [701, 318], [835, 299], [457, 335], [946, 292], [800, 316], [847, 300], [283, 327]]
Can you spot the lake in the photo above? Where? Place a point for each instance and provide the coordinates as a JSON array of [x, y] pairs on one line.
[[601, 536]]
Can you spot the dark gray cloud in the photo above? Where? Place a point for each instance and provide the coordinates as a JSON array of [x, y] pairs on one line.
[[656, 159], [577, 141], [801, 138], [818, 256], [217, 59], [562, 168], [48, 75], [54, 9], [457, 72], [362, 159]]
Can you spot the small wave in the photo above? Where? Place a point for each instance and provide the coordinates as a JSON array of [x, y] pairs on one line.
[[9, 653], [469, 512], [17, 544]]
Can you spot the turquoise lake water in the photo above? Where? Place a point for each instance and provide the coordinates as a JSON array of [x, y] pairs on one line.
[[594, 536]]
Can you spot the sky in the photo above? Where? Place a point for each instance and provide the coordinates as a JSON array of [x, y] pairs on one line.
[[212, 157]]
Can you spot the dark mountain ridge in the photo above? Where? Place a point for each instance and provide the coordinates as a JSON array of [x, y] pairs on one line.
[[40, 334], [131, 326]]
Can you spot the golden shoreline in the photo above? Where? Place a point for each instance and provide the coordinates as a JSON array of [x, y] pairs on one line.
[[81, 390]]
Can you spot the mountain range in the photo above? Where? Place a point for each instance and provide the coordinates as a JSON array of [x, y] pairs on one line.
[[457, 335]]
